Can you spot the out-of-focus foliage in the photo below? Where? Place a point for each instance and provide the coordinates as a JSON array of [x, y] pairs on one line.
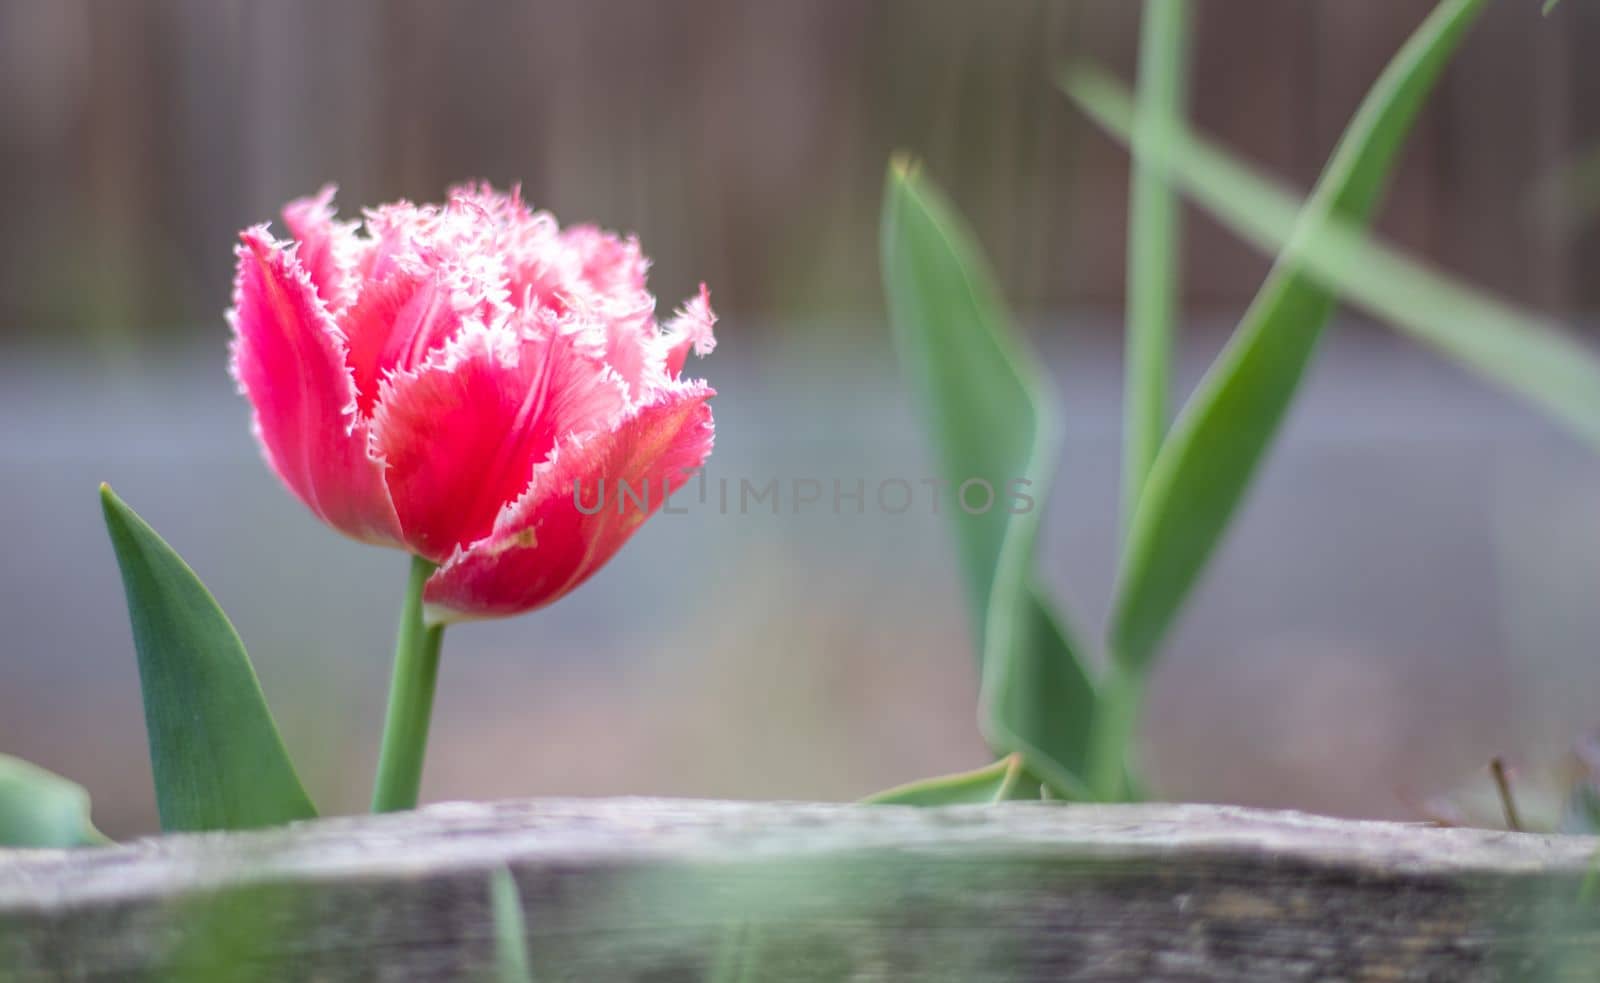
[[39, 808], [238, 934], [993, 422], [510, 929], [990, 417], [1154, 245], [1216, 447], [1523, 353], [1004, 781]]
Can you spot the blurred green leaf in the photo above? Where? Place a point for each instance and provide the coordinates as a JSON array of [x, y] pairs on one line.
[[1521, 352], [510, 928], [992, 420], [1154, 236], [1216, 446], [215, 751], [736, 958], [1582, 813], [1004, 781], [39, 808], [238, 934]]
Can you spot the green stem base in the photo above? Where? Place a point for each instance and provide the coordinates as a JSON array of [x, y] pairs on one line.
[[1115, 726], [405, 727]]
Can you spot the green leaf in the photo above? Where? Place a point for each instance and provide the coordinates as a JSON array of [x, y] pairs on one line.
[[992, 420], [1581, 816], [737, 956], [1581, 812], [39, 808], [510, 926], [1154, 237], [218, 760], [1004, 781], [239, 933], [1524, 353], [1207, 463]]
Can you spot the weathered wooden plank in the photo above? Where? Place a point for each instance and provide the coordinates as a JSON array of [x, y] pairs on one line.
[[645, 889]]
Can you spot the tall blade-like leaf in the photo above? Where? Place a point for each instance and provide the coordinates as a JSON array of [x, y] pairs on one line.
[[988, 411], [1154, 236], [218, 760], [39, 808], [1523, 353], [1004, 781], [1216, 446], [993, 424]]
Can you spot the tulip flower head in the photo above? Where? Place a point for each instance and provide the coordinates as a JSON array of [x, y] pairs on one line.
[[444, 378]]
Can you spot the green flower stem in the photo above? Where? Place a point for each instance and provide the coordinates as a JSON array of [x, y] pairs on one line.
[[1116, 722], [405, 728]]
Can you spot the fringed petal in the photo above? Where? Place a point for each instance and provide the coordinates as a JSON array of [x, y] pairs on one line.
[[544, 544], [610, 266], [397, 325], [607, 284], [330, 250], [690, 328], [460, 435], [289, 360], [633, 348]]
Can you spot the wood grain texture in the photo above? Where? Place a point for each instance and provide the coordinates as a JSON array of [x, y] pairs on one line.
[[665, 890]]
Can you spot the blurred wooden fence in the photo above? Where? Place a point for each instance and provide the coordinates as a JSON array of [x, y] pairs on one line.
[[635, 890], [744, 141]]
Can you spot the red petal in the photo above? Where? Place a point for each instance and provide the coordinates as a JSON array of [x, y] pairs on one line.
[[329, 250], [461, 434], [289, 359], [396, 324], [543, 545]]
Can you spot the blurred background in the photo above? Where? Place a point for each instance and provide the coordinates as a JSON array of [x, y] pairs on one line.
[[1409, 591]]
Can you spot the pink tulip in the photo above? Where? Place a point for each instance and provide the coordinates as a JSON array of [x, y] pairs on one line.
[[441, 379]]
